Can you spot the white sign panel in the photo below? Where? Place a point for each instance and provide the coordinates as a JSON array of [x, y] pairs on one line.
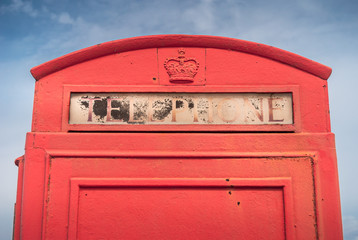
[[181, 108]]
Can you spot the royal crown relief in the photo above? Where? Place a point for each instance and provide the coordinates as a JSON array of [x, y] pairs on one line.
[[181, 108], [181, 69]]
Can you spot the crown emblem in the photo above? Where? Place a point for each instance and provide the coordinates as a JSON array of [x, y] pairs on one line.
[[181, 69]]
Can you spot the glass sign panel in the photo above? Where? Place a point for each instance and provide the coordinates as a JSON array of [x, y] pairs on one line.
[[181, 108]]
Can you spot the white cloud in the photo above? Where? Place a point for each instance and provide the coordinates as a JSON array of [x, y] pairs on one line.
[[201, 16], [20, 6], [63, 18]]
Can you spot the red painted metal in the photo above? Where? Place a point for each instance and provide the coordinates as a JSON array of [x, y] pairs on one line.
[[140, 181], [19, 162]]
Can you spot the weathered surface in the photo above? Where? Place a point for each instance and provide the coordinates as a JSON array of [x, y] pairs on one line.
[[181, 108], [179, 137]]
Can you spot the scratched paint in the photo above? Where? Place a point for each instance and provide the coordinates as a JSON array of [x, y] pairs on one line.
[[181, 108]]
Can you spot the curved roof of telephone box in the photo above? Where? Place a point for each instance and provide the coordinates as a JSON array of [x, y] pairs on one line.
[[160, 41]]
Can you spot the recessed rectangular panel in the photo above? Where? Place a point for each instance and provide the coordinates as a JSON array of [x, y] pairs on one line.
[[181, 108], [172, 212], [263, 197]]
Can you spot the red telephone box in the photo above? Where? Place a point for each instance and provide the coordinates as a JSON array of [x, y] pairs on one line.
[[179, 137]]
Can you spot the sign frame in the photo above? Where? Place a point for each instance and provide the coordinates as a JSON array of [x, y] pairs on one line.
[[69, 89]]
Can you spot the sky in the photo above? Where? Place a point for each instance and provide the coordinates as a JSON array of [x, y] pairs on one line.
[[34, 32]]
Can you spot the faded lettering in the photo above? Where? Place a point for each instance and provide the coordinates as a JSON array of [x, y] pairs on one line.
[[181, 108]]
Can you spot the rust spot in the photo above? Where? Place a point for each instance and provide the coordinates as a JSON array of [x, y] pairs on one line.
[[179, 103], [140, 111], [314, 195], [162, 109], [85, 104], [122, 111], [100, 108]]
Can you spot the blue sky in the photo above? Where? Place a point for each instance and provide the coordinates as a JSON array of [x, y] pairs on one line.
[[33, 32]]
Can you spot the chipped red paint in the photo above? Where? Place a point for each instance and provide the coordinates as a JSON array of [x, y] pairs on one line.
[[192, 181], [174, 41]]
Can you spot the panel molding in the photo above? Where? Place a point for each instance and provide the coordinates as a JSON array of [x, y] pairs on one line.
[[281, 182]]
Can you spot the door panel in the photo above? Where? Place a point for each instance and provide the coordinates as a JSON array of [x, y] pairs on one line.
[[172, 198]]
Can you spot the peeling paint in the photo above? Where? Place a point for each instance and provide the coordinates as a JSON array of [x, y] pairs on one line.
[[181, 108]]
